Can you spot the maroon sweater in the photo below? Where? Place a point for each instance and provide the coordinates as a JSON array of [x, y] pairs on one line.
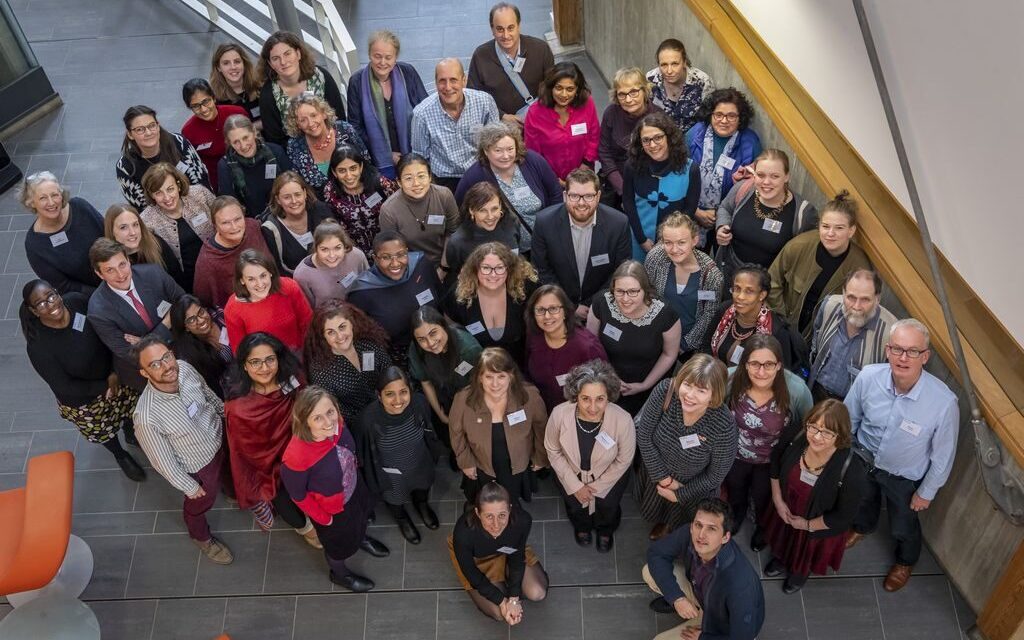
[[215, 268]]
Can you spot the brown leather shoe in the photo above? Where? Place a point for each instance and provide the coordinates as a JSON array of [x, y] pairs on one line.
[[853, 538], [898, 577], [658, 531]]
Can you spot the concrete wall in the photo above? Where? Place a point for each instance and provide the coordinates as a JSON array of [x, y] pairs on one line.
[[964, 529]]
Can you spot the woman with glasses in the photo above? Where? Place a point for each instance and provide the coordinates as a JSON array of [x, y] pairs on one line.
[[205, 129], [659, 180], [817, 483], [485, 218], [72, 360], [265, 301], [258, 428], [442, 358], [765, 399], [639, 332], [631, 100], [424, 213], [355, 192], [201, 339], [215, 267], [122, 223], [554, 344], [145, 144]]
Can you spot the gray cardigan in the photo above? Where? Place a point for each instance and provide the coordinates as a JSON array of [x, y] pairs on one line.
[[657, 265]]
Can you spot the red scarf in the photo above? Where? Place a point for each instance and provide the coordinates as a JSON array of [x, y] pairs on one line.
[[763, 325], [301, 455], [258, 430]]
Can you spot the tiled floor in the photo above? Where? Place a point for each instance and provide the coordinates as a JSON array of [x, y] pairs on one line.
[[149, 581]]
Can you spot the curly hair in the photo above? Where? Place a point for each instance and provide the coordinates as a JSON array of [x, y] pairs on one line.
[[520, 271], [317, 352], [491, 134], [592, 372], [728, 95], [291, 124], [677, 155]]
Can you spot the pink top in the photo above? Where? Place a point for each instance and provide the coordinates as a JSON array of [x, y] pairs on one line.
[[567, 146], [285, 315], [208, 137]]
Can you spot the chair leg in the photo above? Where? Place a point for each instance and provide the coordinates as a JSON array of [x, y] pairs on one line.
[[71, 580], [53, 616]]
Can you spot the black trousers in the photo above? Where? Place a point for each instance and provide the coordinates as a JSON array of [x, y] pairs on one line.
[[607, 511], [903, 521], [743, 482], [286, 509], [418, 496]]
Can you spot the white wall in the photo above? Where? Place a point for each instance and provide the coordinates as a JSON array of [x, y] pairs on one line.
[[954, 72]]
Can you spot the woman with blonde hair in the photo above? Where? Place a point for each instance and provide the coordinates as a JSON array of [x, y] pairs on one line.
[[234, 79], [631, 100], [122, 223], [314, 132]]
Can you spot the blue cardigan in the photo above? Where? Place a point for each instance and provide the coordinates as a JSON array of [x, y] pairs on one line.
[[733, 602], [536, 171], [416, 92], [747, 147]]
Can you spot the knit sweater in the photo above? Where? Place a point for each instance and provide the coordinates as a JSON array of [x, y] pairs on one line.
[[658, 267], [285, 315], [215, 268]]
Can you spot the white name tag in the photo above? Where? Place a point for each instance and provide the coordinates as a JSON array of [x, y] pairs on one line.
[[476, 328], [516, 251], [349, 279], [597, 261], [463, 368], [517, 417], [807, 477], [369, 361], [435, 219], [79, 322], [291, 385], [507, 550], [705, 295], [182, 167], [254, 112], [224, 336], [737, 353], [774, 226], [579, 129], [163, 308], [193, 409], [393, 471], [912, 428], [306, 239], [605, 440], [726, 162], [200, 219], [270, 171], [204, 146], [690, 441], [519, 64], [522, 193], [612, 332], [425, 296], [374, 200], [59, 238], [561, 379]]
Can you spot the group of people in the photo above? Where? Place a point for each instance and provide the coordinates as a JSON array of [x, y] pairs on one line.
[[307, 301]]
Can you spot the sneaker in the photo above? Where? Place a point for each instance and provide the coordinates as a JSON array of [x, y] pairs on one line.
[[216, 551]]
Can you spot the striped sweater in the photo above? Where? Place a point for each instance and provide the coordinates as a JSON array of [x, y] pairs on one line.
[[830, 320]]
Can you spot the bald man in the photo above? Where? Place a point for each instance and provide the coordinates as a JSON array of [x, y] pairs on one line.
[[445, 125]]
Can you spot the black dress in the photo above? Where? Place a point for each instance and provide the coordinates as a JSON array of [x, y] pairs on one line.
[[511, 337], [286, 249], [171, 264], [518, 484], [400, 461], [353, 388]]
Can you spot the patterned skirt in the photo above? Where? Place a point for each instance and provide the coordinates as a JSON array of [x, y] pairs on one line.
[[100, 420], [656, 509]]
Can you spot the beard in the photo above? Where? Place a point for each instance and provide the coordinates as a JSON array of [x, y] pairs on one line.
[[857, 319]]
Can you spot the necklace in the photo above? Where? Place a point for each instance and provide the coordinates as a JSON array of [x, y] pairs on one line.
[[328, 141], [765, 212], [740, 337], [803, 459], [579, 425]]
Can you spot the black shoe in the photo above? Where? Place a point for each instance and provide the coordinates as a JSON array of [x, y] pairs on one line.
[[757, 541], [793, 584], [374, 547], [661, 605], [371, 517], [583, 538], [605, 543], [427, 515], [408, 530], [129, 437], [130, 467], [353, 582], [774, 569]]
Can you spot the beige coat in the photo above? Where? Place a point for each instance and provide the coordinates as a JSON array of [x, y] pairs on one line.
[[195, 208], [607, 465], [471, 433]]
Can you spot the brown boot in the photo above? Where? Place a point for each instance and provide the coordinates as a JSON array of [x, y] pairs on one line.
[[853, 538], [898, 577]]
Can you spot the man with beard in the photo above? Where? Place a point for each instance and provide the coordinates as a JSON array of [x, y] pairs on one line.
[[850, 332]]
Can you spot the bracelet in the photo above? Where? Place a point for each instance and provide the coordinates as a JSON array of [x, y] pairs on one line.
[[809, 526]]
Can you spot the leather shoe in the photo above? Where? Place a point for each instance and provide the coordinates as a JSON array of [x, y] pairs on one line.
[[583, 538], [757, 541], [427, 515], [658, 532], [774, 569], [898, 577], [793, 584], [130, 467], [408, 530], [374, 547], [353, 582], [853, 538], [661, 605], [604, 543]]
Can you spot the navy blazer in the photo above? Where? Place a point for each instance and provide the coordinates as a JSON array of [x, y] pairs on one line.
[[555, 259], [112, 317]]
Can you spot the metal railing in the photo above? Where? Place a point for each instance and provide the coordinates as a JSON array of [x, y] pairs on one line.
[[332, 41]]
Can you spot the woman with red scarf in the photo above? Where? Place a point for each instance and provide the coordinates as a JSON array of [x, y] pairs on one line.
[[259, 428], [320, 472]]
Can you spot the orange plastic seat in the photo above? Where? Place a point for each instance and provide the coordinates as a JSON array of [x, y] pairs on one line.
[[35, 523]]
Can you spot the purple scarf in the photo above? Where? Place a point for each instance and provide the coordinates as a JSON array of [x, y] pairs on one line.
[[378, 143]]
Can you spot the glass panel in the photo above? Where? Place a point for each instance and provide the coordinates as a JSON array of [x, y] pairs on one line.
[[16, 56]]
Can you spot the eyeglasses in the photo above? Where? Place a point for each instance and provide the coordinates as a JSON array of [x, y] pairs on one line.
[[47, 301], [166, 360], [152, 126], [768, 367], [191, 320], [498, 270], [585, 197], [817, 431], [626, 293], [202, 104], [725, 117], [655, 139], [631, 94], [393, 257], [899, 351], [540, 312], [257, 363]]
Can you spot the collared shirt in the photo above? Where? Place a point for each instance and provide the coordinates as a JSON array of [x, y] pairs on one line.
[[581, 239], [912, 435], [450, 144], [838, 372], [180, 432], [684, 109], [700, 574]]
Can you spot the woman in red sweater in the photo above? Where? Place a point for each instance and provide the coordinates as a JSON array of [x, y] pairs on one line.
[[215, 268], [264, 301]]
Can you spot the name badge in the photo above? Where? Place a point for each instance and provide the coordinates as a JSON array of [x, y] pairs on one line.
[[182, 167], [200, 219], [464, 368], [704, 295], [726, 162], [306, 239], [254, 112], [349, 279], [519, 64], [561, 379], [393, 471], [690, 441], [435, 219], [425, 296], [605, 440], [912, 428], [579, 129], [476, 328], [597, 261], [737, 353], [517, 417], [507, 550], [59, 238], [612, 332], [291, 385], [775, 226], [79, 323], [224, 336], [270, 171], [522, 193], [193, 409], [515, 251], [204, 146], [373, 200], [807, 477], [163, 308], [369, 361]]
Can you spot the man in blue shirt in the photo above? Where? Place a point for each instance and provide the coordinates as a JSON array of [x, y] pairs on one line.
[[701, 574], [908, 419]]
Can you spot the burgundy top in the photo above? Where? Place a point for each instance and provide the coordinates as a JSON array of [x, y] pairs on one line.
[[547, 366], [759, 429], [215, 268], [208, 137]]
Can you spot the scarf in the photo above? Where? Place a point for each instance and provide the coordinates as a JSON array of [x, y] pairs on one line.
[[763, 326], [314, 85], [373, 279], [259, 429], [301, 455], [235, 163], [711, 173], [374, 111]]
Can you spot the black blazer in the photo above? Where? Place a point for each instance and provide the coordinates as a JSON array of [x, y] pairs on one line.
[[553, 255], [112, 317], [273, 119]]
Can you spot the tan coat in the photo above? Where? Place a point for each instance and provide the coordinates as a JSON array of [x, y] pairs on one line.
[[471, 433], [195, 208], [606, 465]]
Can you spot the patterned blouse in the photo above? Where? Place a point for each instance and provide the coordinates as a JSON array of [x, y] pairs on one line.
[[131, 168], [302, 157], [360, 215], [684, 110]]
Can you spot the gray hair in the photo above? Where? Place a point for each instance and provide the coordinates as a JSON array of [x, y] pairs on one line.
[[383, 35], [291, 121], [912, 323], [592, 372], [491, 134], [238, 121], [33, 180]]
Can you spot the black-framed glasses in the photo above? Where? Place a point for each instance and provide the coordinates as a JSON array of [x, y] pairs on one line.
[[725, 117], [657, 138], [626, 293], [498, 270], [631, 94], [540, 312], [818, 431], [162, 362], [899, 351], [47, 301], [768, 367], [191, 320], [585, 197], [202, 104], [152, 126]]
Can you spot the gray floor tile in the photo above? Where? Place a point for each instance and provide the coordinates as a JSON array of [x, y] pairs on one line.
[[110, 524], [189, 619], [112, 558], [294, 567], [557, 617], [568, 563], [330, 616], [104, 492], [418, 619], [163, 565], [220, 520], [41, 420], [784, 614], [387, 572], [265, 618], [543, 508], [124, 619], [428, 565], [156, 494], [631, 549], [245, 575], [919, 611], [617, 613], [14, 451], [4, 610], [458, 618], [50, 441], [841, 609]]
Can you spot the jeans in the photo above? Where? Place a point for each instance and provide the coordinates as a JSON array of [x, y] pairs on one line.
[[903, 522]]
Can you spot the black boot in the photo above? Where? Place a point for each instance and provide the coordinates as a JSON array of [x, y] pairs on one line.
[[128, 427], [427, 515], [124, 459], [406, 526]]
